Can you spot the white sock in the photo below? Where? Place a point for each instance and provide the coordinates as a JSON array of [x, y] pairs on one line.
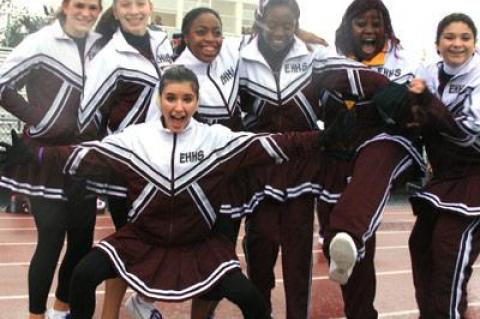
[[54, 313]]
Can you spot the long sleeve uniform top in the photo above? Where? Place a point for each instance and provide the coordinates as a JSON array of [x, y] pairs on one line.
[[454, 153], [176, 184], [121, 83], [47, 64], [219, 81]]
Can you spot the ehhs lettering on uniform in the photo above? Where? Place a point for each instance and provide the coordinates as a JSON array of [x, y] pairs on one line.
[[456, 88], [164, 58], [191, 157], [296, 67], [390, 72], [227, 75]]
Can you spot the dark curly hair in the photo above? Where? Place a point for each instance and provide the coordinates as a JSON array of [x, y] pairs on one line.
[[344, 41]]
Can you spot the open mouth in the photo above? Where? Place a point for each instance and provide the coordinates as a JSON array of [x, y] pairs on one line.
[[178, 118], [369, 46], [369, 43]]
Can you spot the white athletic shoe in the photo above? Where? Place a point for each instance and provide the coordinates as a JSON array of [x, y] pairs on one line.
[[138, 308], [343, 255], [321, 240], [57, 314]]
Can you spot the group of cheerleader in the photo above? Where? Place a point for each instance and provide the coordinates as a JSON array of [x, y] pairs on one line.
[[271, 127]]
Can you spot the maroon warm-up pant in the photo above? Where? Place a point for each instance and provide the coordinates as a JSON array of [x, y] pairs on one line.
[[289, 225], [359, 213], [443, 247]]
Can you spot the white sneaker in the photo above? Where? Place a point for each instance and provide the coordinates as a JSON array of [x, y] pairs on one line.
[[138, 308], [320, 240], [57, 314], [343, 255]]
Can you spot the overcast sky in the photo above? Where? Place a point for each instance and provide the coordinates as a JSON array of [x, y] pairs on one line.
[[414, 21]]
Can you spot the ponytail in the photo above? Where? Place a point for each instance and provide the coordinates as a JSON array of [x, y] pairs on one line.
[[107, 25]]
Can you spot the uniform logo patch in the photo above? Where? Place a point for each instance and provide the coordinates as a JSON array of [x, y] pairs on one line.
[[227, 75], [456, 88], [296, 67], [390, 72], [192, 157]]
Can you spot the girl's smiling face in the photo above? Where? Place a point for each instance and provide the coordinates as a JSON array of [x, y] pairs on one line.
[[279, 27], [456, 43], [80, 16], [205, 37], [133, 15]]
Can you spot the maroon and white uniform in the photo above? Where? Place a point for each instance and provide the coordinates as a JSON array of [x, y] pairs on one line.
[[119, 88], [176, 183], [218, 81], [445, 241], [121, 82], [345, 83], [281, 101], [50, 110], [381, 155]]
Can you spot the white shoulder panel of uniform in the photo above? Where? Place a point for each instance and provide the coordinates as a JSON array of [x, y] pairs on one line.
[[218, 80], [461, 95], [49, 47], [250, 52], [161, 47], [101, 68], [429, 73], [116, 60], [234, 43], [256, 74], [469, 85], [400, 66]]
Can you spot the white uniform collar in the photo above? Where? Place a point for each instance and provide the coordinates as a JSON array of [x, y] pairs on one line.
[[251, 51], [58, 31], [188, 59], [60, 34], [120, 43], [464, 68]]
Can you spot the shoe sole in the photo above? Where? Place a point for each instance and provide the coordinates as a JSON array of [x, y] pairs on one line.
[[344, 256]]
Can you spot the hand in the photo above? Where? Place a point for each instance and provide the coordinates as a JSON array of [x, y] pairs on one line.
[[310, 38], [15, 154], [417, 86]]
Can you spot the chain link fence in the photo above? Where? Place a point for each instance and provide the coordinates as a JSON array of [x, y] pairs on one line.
[[7, 121]]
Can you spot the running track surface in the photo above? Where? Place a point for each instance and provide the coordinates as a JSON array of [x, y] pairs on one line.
[[395, 298]]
